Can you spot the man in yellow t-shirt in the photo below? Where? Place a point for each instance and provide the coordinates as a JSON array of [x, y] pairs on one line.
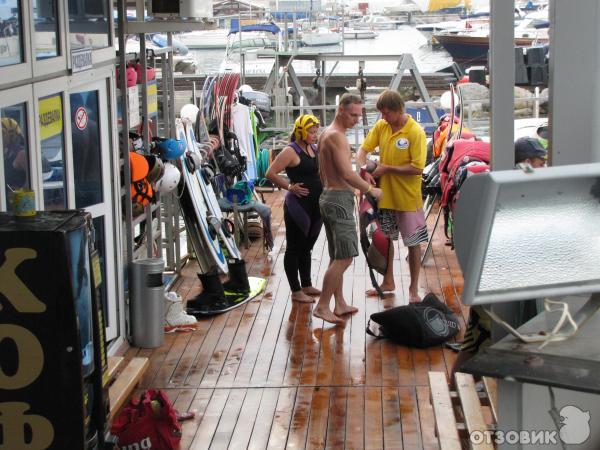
[[402, 149]]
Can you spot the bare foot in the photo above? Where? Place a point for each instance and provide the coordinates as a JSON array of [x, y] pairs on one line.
[[311, 290], [299, 296], [384, 288], [414, 297], [346, 309], [326, 315]]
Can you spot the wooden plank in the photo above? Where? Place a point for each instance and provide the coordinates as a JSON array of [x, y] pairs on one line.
[[445, 423], [471, 406], [373, 418], [163, 376], [283, 416], [119, 391], [491, 387], [242, 432], [196, 372], [224, 343], [264, 419], [319, 414], [356, 369], [259, 327], [300, 418], [115, 364], [210, 420], [426, 419], [392, 423], [409, 415], [190, 354], [355, 418], [229, 419], [336, 422], [190, 427]]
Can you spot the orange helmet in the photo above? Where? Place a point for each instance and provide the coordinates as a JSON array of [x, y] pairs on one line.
[[138, 166]]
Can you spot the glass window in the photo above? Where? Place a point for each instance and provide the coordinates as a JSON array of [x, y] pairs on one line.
[[88, 23], [46, 29], [87, 161], [53, 153], [11, 31], [15, 149]]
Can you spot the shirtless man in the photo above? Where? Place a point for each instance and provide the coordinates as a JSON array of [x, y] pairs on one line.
[[337, 206]]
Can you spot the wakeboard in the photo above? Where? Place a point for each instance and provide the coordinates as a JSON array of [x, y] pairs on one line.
[[231, 299], [198, 216], [210, 198]]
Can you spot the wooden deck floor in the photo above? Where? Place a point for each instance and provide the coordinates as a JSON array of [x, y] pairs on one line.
[[270, 375]]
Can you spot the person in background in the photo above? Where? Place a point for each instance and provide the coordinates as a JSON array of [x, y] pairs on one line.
[[402, 147], [530, 150], [301, 207], [16, 169], [337, 205]]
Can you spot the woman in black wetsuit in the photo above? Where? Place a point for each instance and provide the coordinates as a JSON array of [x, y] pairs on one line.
[[301, 208]]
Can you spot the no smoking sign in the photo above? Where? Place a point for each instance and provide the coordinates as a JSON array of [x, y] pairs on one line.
[[81, 118]]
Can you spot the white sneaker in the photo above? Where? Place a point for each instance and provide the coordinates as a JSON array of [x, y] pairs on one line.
[[175, 316]]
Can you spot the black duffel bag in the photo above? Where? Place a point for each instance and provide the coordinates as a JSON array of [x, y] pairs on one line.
[[422, 324]]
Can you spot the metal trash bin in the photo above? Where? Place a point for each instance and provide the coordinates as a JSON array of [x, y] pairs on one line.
[[147, 302]]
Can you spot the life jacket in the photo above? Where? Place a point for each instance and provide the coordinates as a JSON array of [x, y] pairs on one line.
[[440, 135], [462, 159], [374, 242]]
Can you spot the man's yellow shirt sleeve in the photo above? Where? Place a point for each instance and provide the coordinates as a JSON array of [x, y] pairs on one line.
[[371, 142], [418, 154]]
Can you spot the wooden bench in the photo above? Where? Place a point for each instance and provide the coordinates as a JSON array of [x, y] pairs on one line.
[[459, 413], [124, 378]]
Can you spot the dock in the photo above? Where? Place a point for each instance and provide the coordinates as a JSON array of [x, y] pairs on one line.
[[270, 375]]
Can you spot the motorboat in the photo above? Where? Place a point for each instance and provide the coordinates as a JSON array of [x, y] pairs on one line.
[[204, 39], [471, 46], [320, 36], [350, 33], [263, 36]]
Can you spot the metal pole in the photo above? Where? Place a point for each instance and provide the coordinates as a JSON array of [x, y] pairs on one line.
[[122, 15]]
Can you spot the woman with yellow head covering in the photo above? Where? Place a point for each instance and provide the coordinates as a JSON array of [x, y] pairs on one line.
[[301, 208]]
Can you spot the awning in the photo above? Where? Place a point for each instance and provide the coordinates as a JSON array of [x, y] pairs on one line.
[[269, 27]]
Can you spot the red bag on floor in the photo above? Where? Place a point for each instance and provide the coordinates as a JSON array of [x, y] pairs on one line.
[[150, 422]]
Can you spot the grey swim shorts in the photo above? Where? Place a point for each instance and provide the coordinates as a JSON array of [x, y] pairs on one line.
[[337, 209]]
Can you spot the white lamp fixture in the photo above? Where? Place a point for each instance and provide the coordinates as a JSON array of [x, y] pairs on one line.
[[529, 235]]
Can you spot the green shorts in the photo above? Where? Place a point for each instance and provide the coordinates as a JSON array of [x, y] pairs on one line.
[[337, 210]]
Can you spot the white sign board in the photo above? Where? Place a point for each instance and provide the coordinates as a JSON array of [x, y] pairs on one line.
[[81, 60]]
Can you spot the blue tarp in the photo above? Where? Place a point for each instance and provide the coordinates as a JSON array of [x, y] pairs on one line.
[[269, 27]]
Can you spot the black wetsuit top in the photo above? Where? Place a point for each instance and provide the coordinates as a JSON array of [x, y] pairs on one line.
[[307, 172]]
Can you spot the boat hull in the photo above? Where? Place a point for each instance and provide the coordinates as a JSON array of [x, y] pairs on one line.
[[474, 49], [316, 39]]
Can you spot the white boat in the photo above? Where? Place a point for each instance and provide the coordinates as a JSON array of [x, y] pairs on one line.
[[373, 22], [204, 39], [182, 62], [350, 33], [321, 36]]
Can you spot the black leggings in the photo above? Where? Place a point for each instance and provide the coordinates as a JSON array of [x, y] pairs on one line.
[[297, 253]]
